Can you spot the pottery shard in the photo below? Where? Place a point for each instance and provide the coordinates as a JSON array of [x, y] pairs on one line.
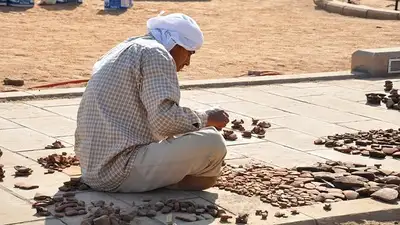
[[349, 182], [385, 194], [187, 217], [389, 151], [324, 175], [365, 153], [377, 154], [396, 155], [391, 180], [368, 175], [350, 195]]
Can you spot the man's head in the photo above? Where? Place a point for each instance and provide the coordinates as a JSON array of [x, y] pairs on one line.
[[179, 34]]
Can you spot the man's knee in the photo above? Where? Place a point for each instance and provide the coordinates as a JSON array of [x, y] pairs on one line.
[[215, 141]]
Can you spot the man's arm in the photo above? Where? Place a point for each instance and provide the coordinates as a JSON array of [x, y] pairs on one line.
[[160, 95]]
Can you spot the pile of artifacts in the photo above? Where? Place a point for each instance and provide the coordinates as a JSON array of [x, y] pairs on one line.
[[374, 143]]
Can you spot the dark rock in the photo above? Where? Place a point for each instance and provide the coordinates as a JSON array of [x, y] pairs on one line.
[[386, 195], [348, 182], [391, 180], [187, 217], [377, 154], [102, 220], [368, 175]]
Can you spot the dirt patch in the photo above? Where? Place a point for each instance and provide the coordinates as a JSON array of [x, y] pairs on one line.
[[59, 43]]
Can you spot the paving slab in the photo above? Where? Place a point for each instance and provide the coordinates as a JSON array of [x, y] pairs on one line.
[[7, 124], [276, 154], [48, 183], [16, 110], [323, 114], [40, 222], [292, 139], [242, 204], [369, 125], [52, 126], [310, 126], [11, 159], [252, 110], [256, 94], [22, 139], [16, 210], [203, 96], [69, 111], [355, 210], [329, 154]]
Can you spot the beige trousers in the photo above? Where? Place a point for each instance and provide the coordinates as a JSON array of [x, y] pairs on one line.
[[165, 163]]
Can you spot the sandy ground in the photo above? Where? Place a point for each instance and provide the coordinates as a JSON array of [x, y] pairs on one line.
[[59, 43]]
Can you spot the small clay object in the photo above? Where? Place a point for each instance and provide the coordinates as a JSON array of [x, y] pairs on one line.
[[373, 99], [49, 171], [327, 207], [258, 212], [394, 92], [229, 135], [42, 211], [224, 218], [260, 136], [294, 212], [22, 171], [280, 214], [388, 85], [264, 215], [25, 186], [246, 134], [319, 141], [264, 124], [254, 121], [13, 82], [389, 103], [242, 218], [55, 145]]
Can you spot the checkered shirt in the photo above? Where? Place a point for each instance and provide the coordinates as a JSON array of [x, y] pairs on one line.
[[131, 101]]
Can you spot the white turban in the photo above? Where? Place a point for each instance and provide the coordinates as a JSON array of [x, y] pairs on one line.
[[176, 28]]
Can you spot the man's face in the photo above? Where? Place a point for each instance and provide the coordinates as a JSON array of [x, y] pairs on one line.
[[181, 57]]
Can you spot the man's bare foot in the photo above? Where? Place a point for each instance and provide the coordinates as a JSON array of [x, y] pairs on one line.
[[191, 183]]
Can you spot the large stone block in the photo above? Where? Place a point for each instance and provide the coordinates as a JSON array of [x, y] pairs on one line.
[[355, 11], [376, 62], [382, 14], [334, 7]]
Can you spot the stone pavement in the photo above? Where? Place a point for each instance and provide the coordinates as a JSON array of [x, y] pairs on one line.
[[298, 112]]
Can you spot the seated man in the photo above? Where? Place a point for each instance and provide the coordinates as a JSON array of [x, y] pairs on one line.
[[132, 135]]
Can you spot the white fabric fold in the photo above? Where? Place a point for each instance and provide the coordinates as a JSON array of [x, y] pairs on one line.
[[176, 28]]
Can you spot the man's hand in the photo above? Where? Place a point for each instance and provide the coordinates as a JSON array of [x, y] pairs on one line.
[[218, 119]]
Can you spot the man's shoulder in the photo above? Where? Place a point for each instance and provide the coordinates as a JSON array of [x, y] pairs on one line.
[[148, 42]]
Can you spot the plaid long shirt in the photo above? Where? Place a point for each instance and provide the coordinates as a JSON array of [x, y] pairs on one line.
[[131, 100]]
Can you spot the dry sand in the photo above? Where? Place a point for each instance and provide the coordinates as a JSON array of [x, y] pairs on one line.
[[59, 43]]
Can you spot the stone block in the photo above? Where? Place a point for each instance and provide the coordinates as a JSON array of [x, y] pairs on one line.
[[375, 62], [355, 11], [382, 14], [334, 7]]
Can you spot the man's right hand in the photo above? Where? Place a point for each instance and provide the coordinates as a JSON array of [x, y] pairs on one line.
[[218, 119]]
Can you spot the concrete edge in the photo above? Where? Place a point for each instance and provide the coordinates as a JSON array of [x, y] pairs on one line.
[[360, 11], [195, 84], [358, 210]]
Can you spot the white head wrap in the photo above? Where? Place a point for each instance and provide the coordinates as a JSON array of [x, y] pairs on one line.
[[176, 28]]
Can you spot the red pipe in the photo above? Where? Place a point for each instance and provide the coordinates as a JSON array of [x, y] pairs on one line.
[[61, 83]]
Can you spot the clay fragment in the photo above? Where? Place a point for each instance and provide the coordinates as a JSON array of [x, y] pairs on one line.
[[327, 207], [22, 171], [246, 134], [242, 218], [229, 135], [224, 218]]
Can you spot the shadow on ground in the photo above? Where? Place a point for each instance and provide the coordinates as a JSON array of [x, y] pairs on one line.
[[59, 7], [126, 202], [10, 9]]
